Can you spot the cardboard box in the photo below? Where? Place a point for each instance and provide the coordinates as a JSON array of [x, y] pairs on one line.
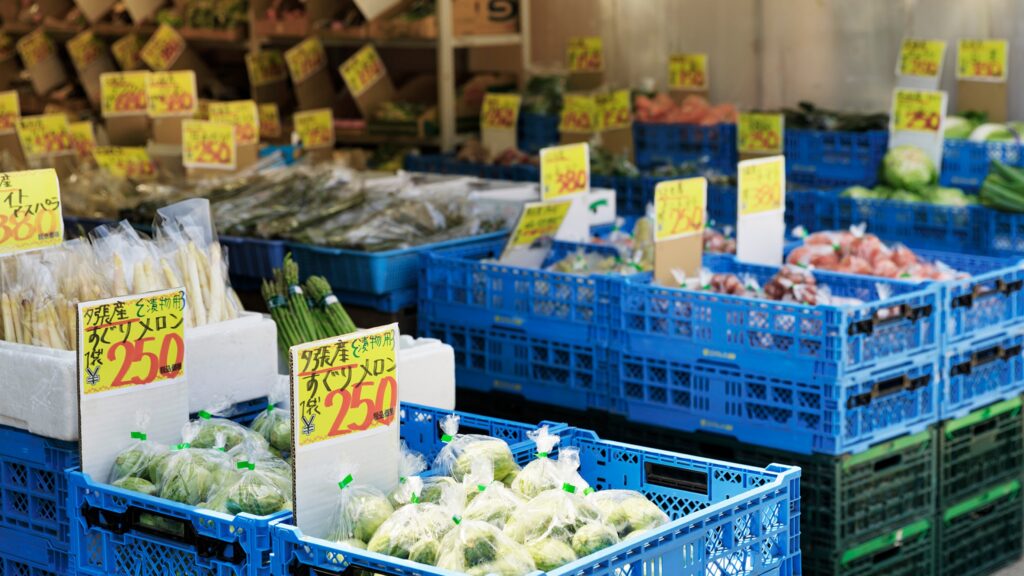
[[127, 130], [167, 157], [475, 17], [42, 61]]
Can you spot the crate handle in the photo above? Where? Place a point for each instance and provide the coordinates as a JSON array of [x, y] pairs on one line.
[[676, 478], [984, 357], [887, 387], [905, 312], [1002, 287]]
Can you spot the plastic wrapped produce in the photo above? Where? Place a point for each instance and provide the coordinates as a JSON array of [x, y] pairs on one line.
[[184, 476], [134, 461], [627, 511], [478, 549], [547, 524], [593, 537], [460, 450], [136, 484], [254, 491], [410, 463], [361, 510], [489, 500], [275, 426], [208, 431], [543, 473], [414, 531]]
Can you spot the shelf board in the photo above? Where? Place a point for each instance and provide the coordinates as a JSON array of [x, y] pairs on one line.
[[330, 40], [488, 40]]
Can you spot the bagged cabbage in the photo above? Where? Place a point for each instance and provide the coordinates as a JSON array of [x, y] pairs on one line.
[[460, 450], [414, 531], [626, 511], [254, 492], [361, 510], [210, 432], [489, 500], [543, 473], [547, 525], [478, 549], [134, 461]]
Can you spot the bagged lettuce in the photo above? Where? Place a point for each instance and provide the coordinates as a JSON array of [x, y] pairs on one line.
[[460, 450], [488, 500], [361, 510], [626, 511], [254, 491], [543, 473], [480, 549]]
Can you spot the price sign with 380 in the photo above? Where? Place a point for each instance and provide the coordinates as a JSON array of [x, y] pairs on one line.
[[134, 340], [30, 210], [346, 385], [761, 183]]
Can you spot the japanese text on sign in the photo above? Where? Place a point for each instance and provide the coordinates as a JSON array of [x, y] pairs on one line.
[[35, 48], [981, 60], [208, 144], [130, 162], [761, 185], [315, 128], [265, 67], [917, 110], [679, 207], [123, 93], [921, 58], [616, 110], [305, 59], [345, 385], [164, 48], [171, 94], [44, 135], [362, 70], [270, 120], [83, 138], [500, 111], [564, 171], [134, 340], [126, 51], [10, 111], [30, 210], [84, 49], [688, 72], [539, 220], [580, 114], [760, 133], [243, 115], [585, 54]]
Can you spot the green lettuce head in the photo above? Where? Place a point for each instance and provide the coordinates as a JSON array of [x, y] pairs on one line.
[[909, 168]]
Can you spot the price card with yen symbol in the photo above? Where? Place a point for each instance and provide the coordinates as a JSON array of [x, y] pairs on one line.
[[761, 226]]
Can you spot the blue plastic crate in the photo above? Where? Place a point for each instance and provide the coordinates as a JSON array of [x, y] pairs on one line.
[[73, 225], [33, 488], [659, 144], [536, 131], [23, 554], [1003, 233], [435, 163], [389, 303], [722, 205], [821, 158], [287, 152], [727, 520], [965, 164], [980, 372], [252, 258]]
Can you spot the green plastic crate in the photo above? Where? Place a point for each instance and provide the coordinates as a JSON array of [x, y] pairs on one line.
[[906, 551], [981, 534], [982, 449]]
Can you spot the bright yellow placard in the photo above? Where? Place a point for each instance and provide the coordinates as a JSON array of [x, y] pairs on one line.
[[688, 72], [30, 210], [123, 93], [35, 48], [500, 111], [362, 70], [304, 59], [616, 110], [135, 340], [126, 51], [564, 171], [315, 128], [44, 135], [679, 208], [265, 67], [921, 57], [761, 185], [10, 111], [580, 114], [982, 60], [345, 385], [164, 48], [84, 49], [83, 138], [171, 94], [760, 133], [208, 144], [538, 220], [917, 110], [129, 162], [270, 120], [585, 54], [243, 115]]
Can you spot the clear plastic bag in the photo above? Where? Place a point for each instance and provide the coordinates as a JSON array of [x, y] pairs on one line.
[[131, 467], [488, 500], [478, 549], [547, 524], [543, 473], [261, 455], [275, 426], [414, 531], [630, 513], [254, 491], [460, 450], [410, 463], [184, 475], [208, 431], [361, 510]]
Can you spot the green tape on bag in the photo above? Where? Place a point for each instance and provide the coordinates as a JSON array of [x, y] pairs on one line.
[[978, 416], [886, 448], [886, 541], [981, 500]]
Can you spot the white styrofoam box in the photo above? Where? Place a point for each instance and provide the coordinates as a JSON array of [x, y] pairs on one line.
[[230, 361], [507, 202], [426, 372]]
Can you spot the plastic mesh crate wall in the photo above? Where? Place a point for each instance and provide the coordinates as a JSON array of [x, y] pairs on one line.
[[22, 554], [965, 164], [821, 158], [980, 372], [984, 448], [658, 144], [537, 131], [33, 488], [252, 258], [906, 551], [981, 534]]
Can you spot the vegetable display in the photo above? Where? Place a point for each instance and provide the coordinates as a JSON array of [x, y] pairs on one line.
[[694, 109], [856, 252], [1003, 188], [460, 450], [909, 175], [790, 284], [303, 313]]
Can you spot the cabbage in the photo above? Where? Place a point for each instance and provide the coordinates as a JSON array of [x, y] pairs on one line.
[[909, 168], [992, 132], [957, 128]]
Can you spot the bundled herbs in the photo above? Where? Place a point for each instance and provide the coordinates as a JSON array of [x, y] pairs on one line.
[[303, 313]]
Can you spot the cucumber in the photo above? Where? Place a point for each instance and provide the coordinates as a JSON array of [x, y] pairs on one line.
[[1013, 176]]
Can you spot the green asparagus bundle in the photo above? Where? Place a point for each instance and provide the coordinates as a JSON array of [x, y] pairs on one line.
[[303, 313]]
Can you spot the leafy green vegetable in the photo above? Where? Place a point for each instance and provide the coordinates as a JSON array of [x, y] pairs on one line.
[[275, 426], [136, 484], [909, 168], [593, 537]]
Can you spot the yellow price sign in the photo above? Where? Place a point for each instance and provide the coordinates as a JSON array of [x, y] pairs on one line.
[[30, 210], [243, 115], [345, 385], [129, 162], [123, 93], [761, 185], [921, 57], [362, 70], [208, 144], [44, 135], [760, 133], [688, 72], [35, 48], [315, 128], [500, 111], [270, 120], [128, 341], [164, 48], [83, 138], [564, 171], [84, 49], [585, 54], [538, 220], [265, 67], [679, 208], [304, 59], [170, 94], [580, 114], [918, 110], [10, 111], [126, 51], [616, 110], [982, 60]]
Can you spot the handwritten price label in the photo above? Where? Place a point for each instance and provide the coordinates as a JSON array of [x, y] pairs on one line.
[[164, 48], [10, 111], [265, 67], [981, 60], [208, 144], [539, 220], [136, 340], [84, 49], [921, 58], [35, 48], [345, 385], [679, 207], [30, 211], [918, 110], [304, 59], [580, 115], [761, 185], [123, 93], [585, 54], [362, 70], [44, 135], [126, 51], [270, 120], [83, 139], [129, 162], [760, 133], [564, 171], [500, 111], [688, 72], [171, 94], [241, 114], [616, 110], [315, 128]]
